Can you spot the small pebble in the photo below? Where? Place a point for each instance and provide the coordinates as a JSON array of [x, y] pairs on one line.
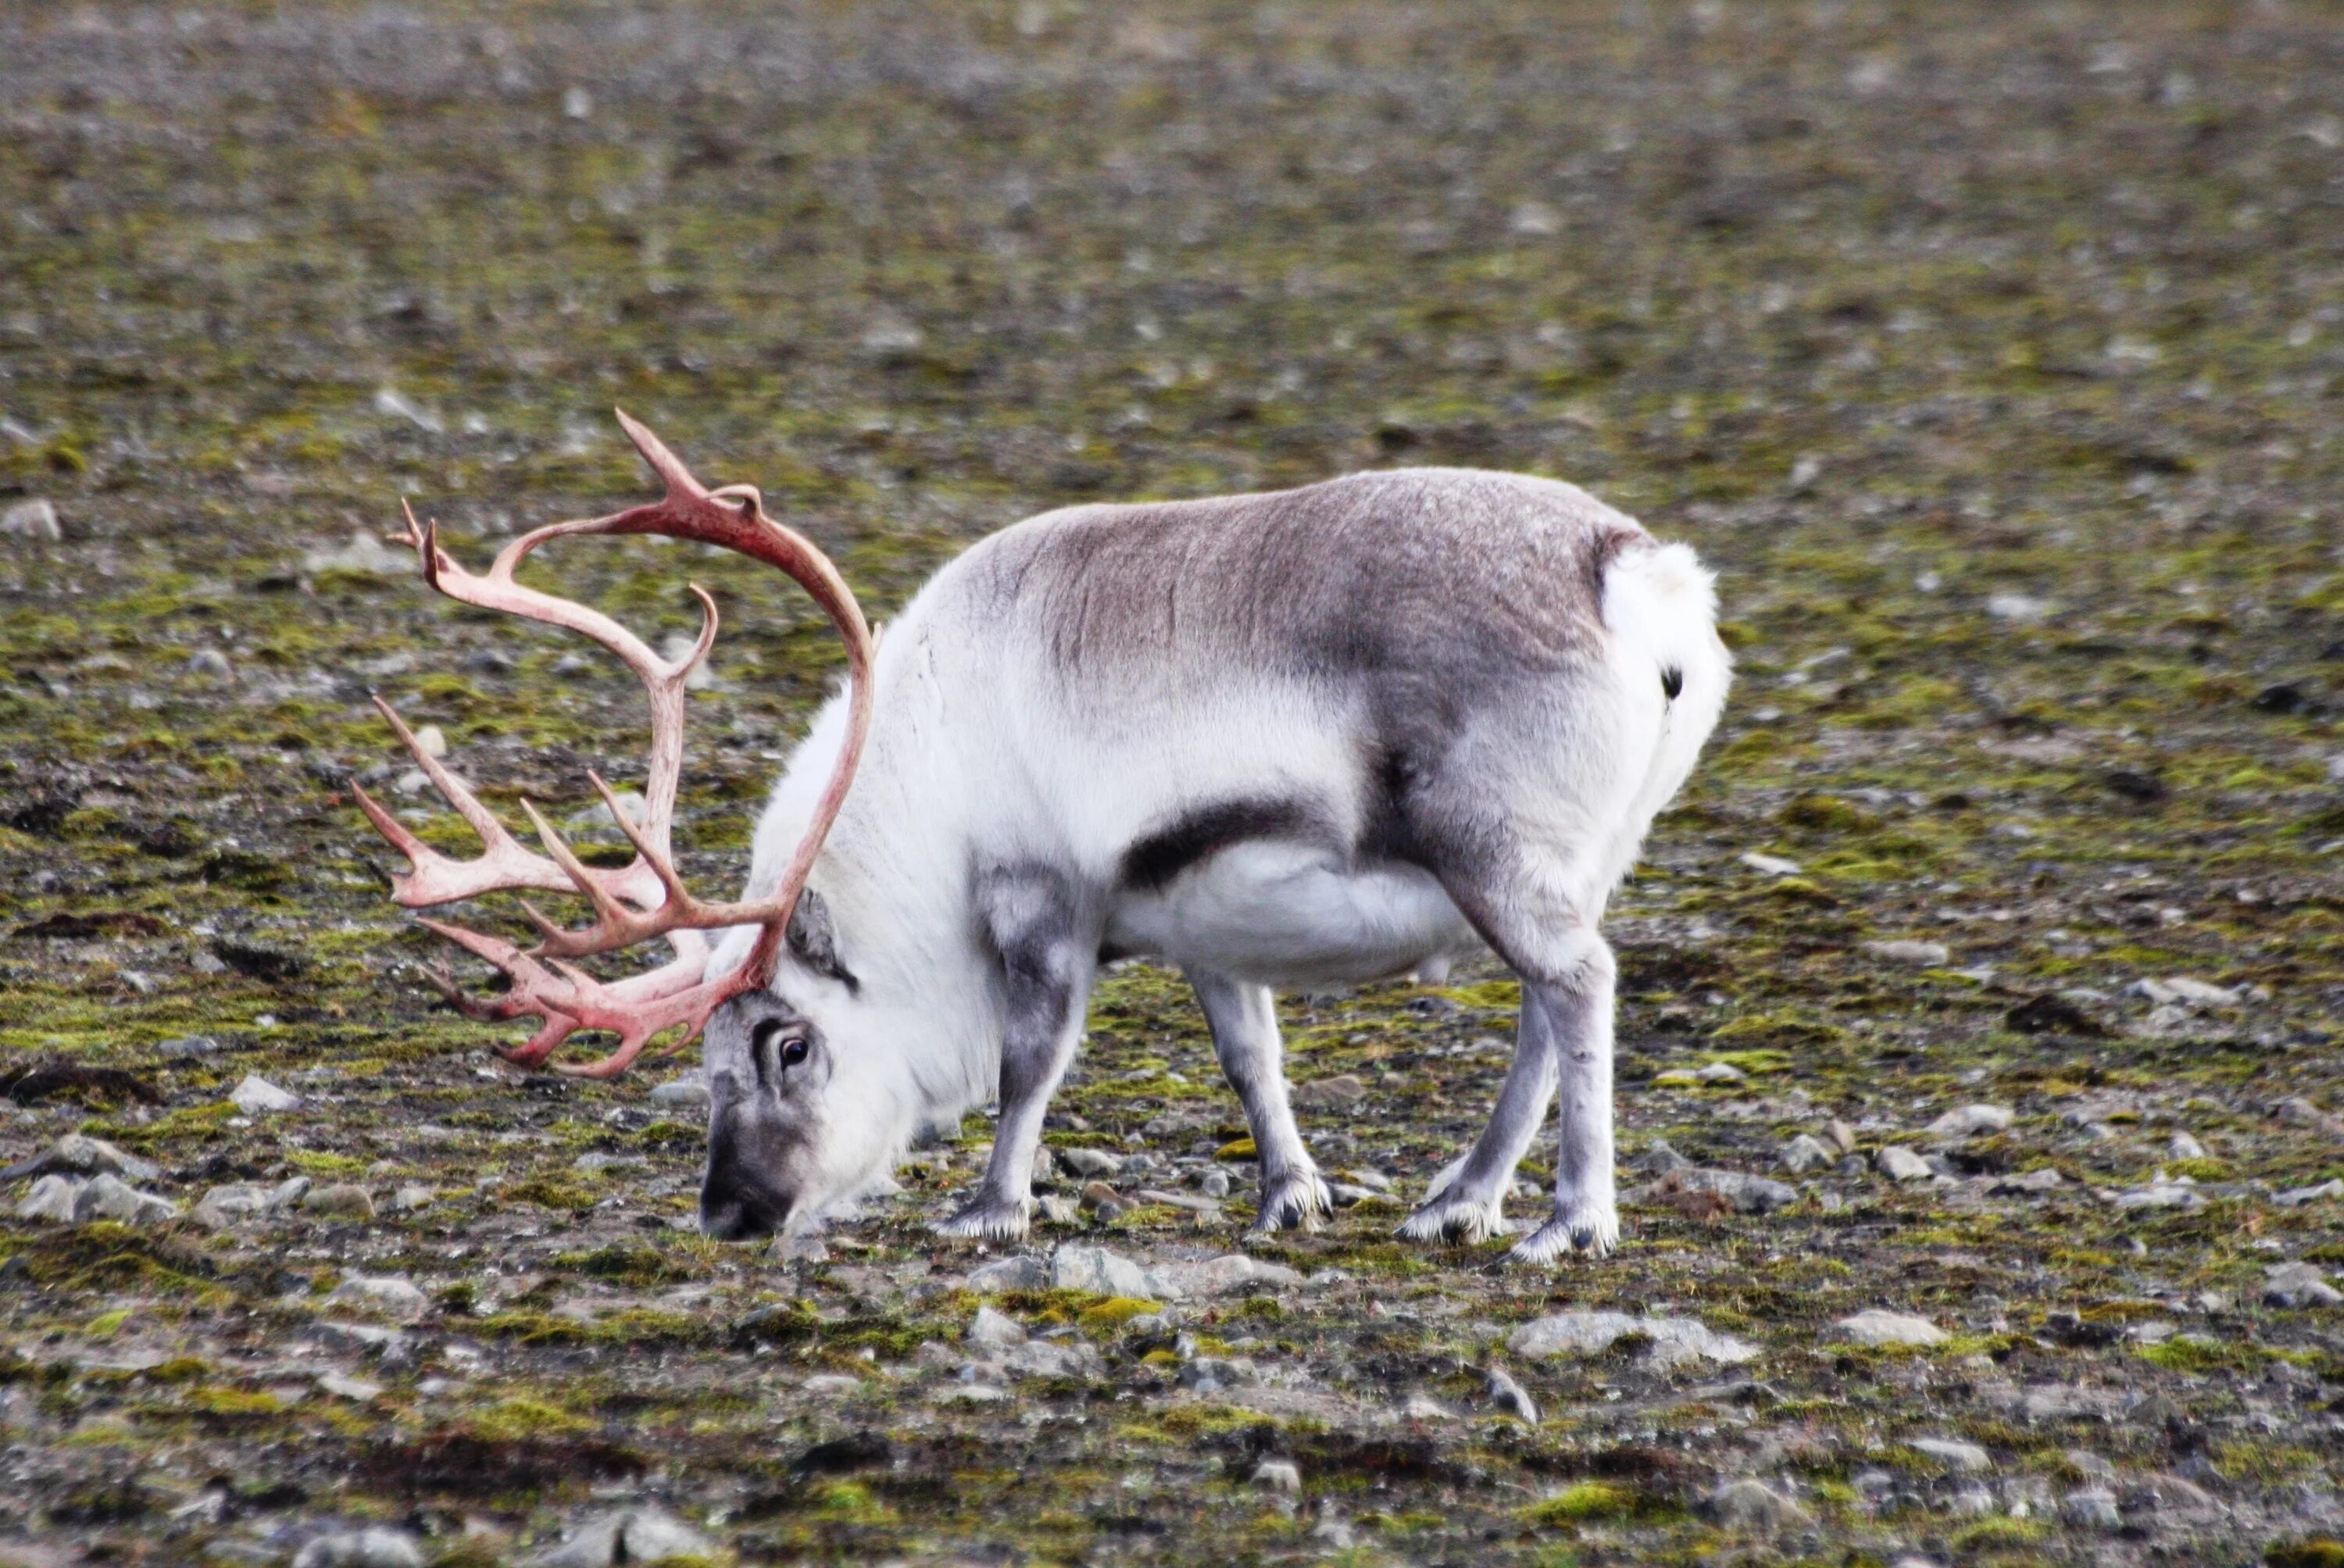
[[341, 1200], [256, 1096], [1281, 1475], [1509, 1396]]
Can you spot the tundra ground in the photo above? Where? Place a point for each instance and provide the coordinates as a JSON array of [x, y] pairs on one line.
[[1995, 357]]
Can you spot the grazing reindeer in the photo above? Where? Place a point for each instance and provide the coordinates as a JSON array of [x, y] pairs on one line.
[[1301, 739]]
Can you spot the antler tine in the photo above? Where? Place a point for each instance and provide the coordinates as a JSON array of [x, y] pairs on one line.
[[678, 479], [648, 898], [504, 865], [615, 925]]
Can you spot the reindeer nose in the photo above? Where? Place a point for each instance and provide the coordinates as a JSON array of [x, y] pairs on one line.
[[736, 1207]]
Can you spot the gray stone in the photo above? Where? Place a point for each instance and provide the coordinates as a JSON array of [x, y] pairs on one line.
[[1840, 1136], [2089, 1465], [2162, 1193], [1969, 1120], [832, 1385], [412, 1197], [392, 1296], [1058, 1209], [2297, 1285], [1340, 1092], [2168, 1495], [1675, 1341], [1509, 1395], [1953, 1455], [223, 1206], [256, 1096], [1804, 1153], [638, 1535], [1740, 1191], [111, 1197], [188, 1048], [341, 1385], [341, 1200], [53, 1197], [1924, 955], [994, 1330], [2069, 1401], [2184, 1147], [1024, 1273], [1901, 1164], [1215, 1183], [1282, 1475], [2296, 1197], [2189, 991], [373, 1547], [1752, 1504], [1218, 1276], [393, 1347], [1658, 1159], [1187, 1202], [1877, 1327], [1100, 1272], [1092, 1163], [35, 519], [1748, 1194], [684, 1093], [79, 1154], [1053, 1359], [2297, 1111], [2091, 1508], [1204, 1374], [801, 1246]]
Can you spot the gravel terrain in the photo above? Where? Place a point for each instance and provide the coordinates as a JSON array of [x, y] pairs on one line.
[[1983, 1123]]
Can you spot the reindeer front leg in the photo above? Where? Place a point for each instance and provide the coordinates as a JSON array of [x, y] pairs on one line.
[[1047, 963]]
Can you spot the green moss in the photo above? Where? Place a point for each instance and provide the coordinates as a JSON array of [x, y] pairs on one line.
[[1115, 1311], [517, 1419], [1590, 1500], [231, 1405], [552, 1192]]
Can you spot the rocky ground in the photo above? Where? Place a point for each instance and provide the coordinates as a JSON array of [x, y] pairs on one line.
[[1980, 1093]]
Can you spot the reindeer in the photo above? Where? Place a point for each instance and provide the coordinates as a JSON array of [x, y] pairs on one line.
[[1311, 738]]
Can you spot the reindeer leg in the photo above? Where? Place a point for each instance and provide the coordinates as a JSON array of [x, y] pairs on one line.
[[1244, 1035], [1048, 960], [1537, 905]]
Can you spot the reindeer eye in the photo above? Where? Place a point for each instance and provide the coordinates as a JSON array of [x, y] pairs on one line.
[[788, 1045]]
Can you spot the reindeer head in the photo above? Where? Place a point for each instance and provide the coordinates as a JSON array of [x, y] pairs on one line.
[[774, 1069]]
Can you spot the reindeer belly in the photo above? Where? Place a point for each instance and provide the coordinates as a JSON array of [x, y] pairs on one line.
[[1292, 915]]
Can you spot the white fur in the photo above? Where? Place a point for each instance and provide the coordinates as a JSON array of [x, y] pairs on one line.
[[978, 753]]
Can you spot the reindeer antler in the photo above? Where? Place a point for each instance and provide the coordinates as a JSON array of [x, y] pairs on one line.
[[647, 898]]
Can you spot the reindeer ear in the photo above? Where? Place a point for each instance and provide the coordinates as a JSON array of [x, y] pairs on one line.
[[814, 943]]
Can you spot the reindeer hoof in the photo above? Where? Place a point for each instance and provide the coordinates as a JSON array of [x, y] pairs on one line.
[[1589, 1228], [1296, 1202], [988, 1219], [1463, 1220]]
